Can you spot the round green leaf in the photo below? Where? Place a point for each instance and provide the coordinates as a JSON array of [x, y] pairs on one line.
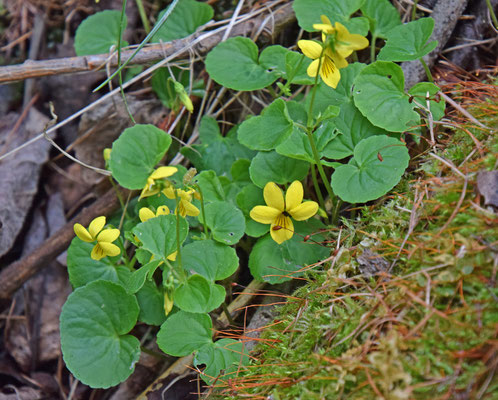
[[420, 92], [151, 303], [234, 64], [379, 95], [225, 221], [383, 16], [198, 295], [83, 269], [251, 196], [408, 42], [273, 167], [135, 154], [377, 166], [94, 324], [184, 20], [183, 332], [218, 356], [212, 260], [210, 185], [267, 130], [97, 33], [158, 235]]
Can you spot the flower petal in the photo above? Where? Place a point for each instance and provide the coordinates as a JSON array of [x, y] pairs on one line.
[[328, 29], [169, 192], [346, 40], [273, 196], [313, 68], [149, 191], [110, 249], [82, 233], [163, 172], [304, 210], [330, 73], [282, 229], [144, 214], [172, 256], [338, 59], [162, 210], [96, 226], [264, 214], [97, 252], [187, 208], [108, 235], [310, 48], [294, 195]]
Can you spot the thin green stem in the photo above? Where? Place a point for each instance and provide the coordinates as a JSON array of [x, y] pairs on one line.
[[414, 10], [372, 48], [143, 15], [227, 313], [153, 353], [178, 252], [317, 187], [492, 13], [272, 92], [427, 70]]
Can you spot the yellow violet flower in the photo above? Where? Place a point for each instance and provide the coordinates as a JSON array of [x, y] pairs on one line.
[[146, 213], [151, 188], [278, 210], [331, 55], [185, 206], [104, 238]]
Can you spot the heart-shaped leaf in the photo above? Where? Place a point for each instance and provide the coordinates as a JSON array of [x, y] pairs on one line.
[[377, 166], [383, 16], [226, 222], [273, 167], [151, 302], [199, 295], [94, 324]]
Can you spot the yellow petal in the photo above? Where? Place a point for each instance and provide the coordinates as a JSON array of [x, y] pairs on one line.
[[264, 214], [97, 252], [172, 256], [337, 59], [286, 229], [168, 304], [328, 29], [144, 214], [162, 210], [108, 235], [273, 196], [310, 48], [82, 233], [149, 191], [346, 40], [163, 172], [330, 73], [187, 208], [304, 210], [96, 226], [294, 195], [313, 68], [169, 192], [110, 249]]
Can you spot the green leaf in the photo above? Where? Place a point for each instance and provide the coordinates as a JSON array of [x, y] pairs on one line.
[[408, 42], [353, 128], [199, 295], [184, 20], [225, 354], [273, 167], [240, 171], [274, 263], [183, 332], [248, 198], [83, 269], [225, 221], [288, 64], [377, 166], [135, 154], [234, 64], [308, 12], [326, 96], [158, 235], [379, 95], [137, 278], [267, 130], [94, 324], [97, 33], [151, 303], [211, 187], [383, 16], [215, 152], [419, 93], [210, 259]]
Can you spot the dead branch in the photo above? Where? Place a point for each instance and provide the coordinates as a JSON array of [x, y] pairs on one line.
[[12, 277], [149, 54]]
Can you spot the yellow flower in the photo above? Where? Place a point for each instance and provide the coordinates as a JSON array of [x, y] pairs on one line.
[[331, 55], [151, 187], [278, 211], [146, 213], [168, 303], [104, 238], [185, 206]]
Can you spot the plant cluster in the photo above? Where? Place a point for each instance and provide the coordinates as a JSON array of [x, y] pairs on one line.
[[160, 261]]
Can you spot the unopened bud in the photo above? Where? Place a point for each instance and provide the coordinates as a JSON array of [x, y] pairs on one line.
[[184, 97]]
